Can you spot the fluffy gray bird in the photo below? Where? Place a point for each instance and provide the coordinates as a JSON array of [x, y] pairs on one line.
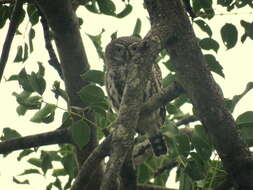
[[117, 57]]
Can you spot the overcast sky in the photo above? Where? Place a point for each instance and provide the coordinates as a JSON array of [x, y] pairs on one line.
[[237, 64]]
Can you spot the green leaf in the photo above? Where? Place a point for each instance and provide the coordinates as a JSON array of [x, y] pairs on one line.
[[35, 161], [30, 171], [32, 13], [229, 35], [204, 27], [21, 110], [40, 115], [137, 28], [245, 123], [169, 65], [49, 186], [59, 172], [57, 184], [37, 83], [80, 131], [94, 76], [15, 180], [214, 65], [31, 37], [46, 162], [246, 117], [9, 133], [182, 144], [97, 43], [41, 71], [92, 7], [241, 3], [208, 44], [19, 54], [91, 95], [128, 9], [23, 80], [224, 3], [195, 169], [59, 92], [201, 143], [185, 182], [66, 120], [144, 173], [3, 15], [106, 7], [69, 164], [168, 80], [27, 102], [248, 30], [232, 103], [24, 153]]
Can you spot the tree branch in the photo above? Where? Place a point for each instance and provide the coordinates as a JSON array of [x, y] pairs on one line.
[[53, 58], [14, 23], [187, 120], [86, 172], [160, 99], [59, 136], [123, 135], [192, 73], [65, 28]]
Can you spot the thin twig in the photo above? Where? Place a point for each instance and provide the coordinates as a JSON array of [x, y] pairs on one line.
[[14, 23], [187, 120], [53, 58]]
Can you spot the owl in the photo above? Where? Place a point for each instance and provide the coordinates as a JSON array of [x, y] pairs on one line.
[[117, 58]]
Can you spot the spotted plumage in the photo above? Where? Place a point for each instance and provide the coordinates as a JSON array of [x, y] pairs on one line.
[[117, 57]]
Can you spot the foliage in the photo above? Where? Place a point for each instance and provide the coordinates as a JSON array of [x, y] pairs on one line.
[[197, 168]]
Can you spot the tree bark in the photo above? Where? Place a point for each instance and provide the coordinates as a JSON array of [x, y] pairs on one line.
[[170, 23], [65, 27]]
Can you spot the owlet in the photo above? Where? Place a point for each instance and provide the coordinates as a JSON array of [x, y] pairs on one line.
[[117, 57]]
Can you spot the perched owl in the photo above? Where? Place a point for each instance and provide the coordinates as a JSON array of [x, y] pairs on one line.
[[117, 57]]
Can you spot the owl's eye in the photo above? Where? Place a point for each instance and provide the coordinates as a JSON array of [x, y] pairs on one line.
[[120, 49]]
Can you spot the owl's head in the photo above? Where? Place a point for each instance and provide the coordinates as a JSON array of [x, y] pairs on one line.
[[117, 51]]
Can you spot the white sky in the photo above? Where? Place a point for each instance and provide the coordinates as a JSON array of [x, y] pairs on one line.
[[237, 64]]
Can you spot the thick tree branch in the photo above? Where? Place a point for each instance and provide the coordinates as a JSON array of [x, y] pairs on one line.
[[10, 35], [128, 173], [178, 38], [65, 27], [59, 136]]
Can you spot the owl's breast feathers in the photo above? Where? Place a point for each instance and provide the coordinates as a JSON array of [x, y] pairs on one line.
[[115, 84]]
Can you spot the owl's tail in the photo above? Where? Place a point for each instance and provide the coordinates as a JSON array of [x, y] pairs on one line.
[[158, 145]]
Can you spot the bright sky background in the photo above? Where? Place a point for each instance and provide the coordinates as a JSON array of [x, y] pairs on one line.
[[237, 64]]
